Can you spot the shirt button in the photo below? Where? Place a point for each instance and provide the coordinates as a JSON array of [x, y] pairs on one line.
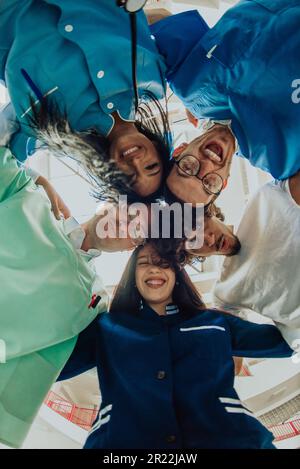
[[171, 439], [152, 37], [110, 105], [161, 374], [69, 28], [100, 74]]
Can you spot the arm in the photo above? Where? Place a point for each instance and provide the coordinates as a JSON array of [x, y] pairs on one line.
[[83, 357], [22, 145], [294, 184], [57, 203], [256, 340], [176, 36]]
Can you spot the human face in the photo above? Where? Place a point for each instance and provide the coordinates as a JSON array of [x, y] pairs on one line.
[[214, 150], [111, 228], [136, 156], [154, 283], [218, 239]]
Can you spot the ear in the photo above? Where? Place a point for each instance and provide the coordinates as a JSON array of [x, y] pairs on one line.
[[178, 150], [225, 183]]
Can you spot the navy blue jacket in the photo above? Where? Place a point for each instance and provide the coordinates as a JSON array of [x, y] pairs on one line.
[[167, 381]]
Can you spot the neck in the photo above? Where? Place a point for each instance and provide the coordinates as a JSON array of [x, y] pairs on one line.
[[160, 308], [120, 127]]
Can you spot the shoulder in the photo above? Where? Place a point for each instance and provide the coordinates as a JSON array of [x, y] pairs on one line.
[[211, 316]]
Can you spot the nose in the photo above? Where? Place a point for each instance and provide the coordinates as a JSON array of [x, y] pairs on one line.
[[209, 239], [154, 269], [134, 157], [206, 166]]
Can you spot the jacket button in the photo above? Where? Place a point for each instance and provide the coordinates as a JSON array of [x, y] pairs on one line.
[[161, 374], [110, 105], [69, 28], [171, 439], [100, 74]]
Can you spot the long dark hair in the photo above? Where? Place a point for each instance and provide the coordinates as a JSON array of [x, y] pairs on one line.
[[90, 148], [127, 298]]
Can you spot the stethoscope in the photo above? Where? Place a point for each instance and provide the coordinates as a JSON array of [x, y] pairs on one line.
[[132, 7]]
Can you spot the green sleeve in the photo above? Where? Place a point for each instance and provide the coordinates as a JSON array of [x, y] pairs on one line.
[[12, 178]]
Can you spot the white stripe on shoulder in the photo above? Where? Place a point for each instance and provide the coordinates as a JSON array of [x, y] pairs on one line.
[[198, 328], [239, 410], [230, 400]]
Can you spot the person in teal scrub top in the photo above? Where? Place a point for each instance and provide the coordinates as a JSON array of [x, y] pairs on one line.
[[67, 68]]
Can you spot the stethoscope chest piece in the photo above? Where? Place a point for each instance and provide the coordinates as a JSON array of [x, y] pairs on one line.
[[132, 6]]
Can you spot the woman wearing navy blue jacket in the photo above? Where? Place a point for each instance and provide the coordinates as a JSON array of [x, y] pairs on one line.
[[165, 364]]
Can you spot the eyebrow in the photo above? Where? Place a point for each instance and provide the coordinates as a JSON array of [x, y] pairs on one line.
[[142, 257]]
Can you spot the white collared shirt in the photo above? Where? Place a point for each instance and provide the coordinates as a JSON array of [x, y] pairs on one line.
[[264, 277], [76, 234]]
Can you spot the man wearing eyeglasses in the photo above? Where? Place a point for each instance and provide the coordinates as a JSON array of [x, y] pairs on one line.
[[245, 69], [201, 168]]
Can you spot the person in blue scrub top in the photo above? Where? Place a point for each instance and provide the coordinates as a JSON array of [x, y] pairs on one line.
[[67, 68], [245, 70], [165, 363]]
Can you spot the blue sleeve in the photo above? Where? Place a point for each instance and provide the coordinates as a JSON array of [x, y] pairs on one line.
[[176, 36], [256, 340], [22, 145], [83, 357]]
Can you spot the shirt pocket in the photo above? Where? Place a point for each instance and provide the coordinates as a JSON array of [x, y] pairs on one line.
[[21, 88], [234, 35]]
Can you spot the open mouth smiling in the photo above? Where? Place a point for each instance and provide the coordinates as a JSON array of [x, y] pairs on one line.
[[214, 151], [155, 282]]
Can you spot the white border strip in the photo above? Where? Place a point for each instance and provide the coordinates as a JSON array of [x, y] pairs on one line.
[[230, 400], [239, 410], [198, 328]]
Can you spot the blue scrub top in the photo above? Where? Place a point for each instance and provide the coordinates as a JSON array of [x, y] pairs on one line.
[[244, 69], [79, 54], [168, 381]]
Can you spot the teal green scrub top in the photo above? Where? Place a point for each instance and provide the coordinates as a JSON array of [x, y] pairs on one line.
[[46, 289]]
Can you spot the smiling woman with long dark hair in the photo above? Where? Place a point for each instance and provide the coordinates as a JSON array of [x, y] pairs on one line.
[[67, 68], [165, 363]]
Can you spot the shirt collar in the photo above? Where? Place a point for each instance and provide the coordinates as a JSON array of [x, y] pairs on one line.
[[76, 235], [170, 309]]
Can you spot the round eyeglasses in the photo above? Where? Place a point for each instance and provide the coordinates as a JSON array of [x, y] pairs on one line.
[[190, 165]]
